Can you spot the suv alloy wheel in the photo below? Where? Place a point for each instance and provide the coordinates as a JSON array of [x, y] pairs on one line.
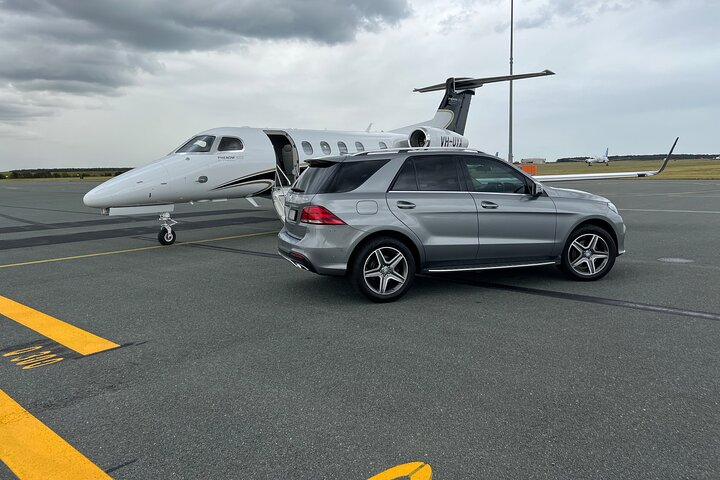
[[383, 269]]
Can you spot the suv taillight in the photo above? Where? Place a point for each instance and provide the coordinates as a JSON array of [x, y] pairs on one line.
[[319, 216]]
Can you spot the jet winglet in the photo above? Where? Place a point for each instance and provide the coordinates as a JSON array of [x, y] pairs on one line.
[[605, 176]]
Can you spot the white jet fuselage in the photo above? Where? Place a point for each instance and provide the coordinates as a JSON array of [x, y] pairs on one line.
[[221, 173]]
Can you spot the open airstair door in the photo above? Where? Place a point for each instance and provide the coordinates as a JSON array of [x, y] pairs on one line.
[[287, 168]]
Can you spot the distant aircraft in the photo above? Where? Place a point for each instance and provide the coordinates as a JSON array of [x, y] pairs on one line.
[[604, 159], [243, 162]]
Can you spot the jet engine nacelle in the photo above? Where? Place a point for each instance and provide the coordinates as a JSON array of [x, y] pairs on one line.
[[436, 137]]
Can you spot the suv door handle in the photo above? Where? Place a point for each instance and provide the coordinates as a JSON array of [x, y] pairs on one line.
[[404, 204], [490, 205]]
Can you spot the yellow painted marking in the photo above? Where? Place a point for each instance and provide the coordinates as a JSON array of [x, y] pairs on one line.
[[43, 363], [129, 250], [34, 360], [33, 451], [74, 338], [22, 350], [413, 471]]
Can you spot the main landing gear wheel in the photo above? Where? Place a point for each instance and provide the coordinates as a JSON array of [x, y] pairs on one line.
[[166, 236], [589, 253], [383, 270]]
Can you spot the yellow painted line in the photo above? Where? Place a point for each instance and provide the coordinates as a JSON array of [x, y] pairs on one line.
[[33, 451], [413, 471], [74, 338], [129, 250]]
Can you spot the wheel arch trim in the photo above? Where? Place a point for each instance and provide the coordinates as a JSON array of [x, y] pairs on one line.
[[413, 245]]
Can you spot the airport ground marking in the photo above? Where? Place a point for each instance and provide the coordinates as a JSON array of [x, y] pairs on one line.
[[130, 250], [650, 210], [413, 471], [74, 338], [32, 450], [29, 358]]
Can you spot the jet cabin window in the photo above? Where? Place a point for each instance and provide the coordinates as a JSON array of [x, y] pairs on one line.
[[493, 176], [230, 144], [383, 145], [307, 148], [359, 146], [325, 148], [342, 147], [199, 144]]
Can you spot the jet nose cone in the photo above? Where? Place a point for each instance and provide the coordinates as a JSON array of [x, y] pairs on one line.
[[94, 198]]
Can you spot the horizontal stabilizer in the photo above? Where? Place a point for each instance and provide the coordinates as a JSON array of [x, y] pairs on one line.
[[464, 83]]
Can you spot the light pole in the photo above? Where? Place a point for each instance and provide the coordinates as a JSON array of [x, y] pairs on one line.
[[510, 123]]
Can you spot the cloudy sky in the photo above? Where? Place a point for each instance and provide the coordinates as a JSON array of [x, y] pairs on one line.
[[119, 83]]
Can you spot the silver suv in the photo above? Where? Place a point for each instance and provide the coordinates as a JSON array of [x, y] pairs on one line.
[[381, 217]]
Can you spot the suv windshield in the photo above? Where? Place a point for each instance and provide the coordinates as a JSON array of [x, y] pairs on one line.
[[328, 177]]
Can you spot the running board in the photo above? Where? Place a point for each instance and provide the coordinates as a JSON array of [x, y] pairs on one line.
[[490, 267]]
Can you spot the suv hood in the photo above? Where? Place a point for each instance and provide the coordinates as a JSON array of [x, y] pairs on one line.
[[570, 193]]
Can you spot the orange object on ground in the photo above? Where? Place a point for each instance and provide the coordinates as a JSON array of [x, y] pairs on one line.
[[531, 169]]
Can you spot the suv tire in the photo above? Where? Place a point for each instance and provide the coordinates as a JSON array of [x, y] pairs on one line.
[[589, 253], [383, 269]]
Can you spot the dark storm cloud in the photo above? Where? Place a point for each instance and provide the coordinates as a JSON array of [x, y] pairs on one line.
[[197, 25], [99, 46]]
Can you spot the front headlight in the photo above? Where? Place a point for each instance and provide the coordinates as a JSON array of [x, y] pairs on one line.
[[612, 207]]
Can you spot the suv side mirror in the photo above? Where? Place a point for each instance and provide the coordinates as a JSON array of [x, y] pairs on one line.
[[537, 189]]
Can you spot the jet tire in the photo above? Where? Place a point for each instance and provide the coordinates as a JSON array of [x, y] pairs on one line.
[[383, 269], [589, 253], [166, 237]]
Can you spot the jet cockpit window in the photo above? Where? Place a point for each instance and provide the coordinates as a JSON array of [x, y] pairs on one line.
[[230, 144], [342, 147], [383, 145], [199, 144], [307, 148], [325, 148], [359, 146]]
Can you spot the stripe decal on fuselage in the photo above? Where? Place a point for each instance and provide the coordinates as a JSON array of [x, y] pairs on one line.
[[267, 175]]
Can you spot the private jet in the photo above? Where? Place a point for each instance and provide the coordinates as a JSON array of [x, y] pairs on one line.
[[244, 162]]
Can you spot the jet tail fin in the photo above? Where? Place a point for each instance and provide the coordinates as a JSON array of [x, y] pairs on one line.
[[459, 92]]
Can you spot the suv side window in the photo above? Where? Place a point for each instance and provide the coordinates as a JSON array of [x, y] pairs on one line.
[[405, 180], [428, 173], [493, 176], [437, 173]]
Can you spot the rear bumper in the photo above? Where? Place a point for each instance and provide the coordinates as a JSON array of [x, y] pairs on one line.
[[298, 261], [325, 253]]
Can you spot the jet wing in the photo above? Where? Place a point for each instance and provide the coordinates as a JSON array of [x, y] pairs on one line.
[[604, 176]]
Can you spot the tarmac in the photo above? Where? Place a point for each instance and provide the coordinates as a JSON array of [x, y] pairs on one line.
[[233, 364]]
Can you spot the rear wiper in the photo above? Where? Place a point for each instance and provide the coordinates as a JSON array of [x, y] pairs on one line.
[[297, 190]]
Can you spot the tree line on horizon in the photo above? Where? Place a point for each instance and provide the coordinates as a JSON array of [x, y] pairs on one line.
[[64, 172]]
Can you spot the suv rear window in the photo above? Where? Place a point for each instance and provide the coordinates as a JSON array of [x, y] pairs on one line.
[[341, 177]]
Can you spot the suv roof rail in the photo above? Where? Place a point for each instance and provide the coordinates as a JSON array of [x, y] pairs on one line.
[[415, 149]]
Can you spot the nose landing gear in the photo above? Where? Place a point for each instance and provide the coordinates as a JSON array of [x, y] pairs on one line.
[[166, 236]]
